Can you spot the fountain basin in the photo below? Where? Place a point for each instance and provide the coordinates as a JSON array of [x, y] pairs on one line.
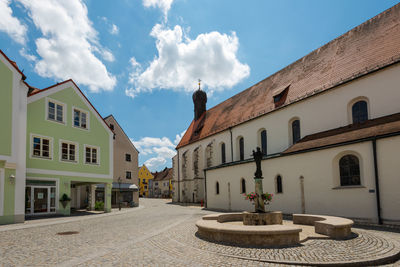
[[217, 228], [265, 218]]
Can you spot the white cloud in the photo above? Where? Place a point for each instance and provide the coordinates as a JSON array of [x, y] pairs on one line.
[[10, 24], [159, 151], [114, 29], [211, 57], [155, 163], [164, 5], [178, 137], [25, 54], [68, 44], [107, 55]]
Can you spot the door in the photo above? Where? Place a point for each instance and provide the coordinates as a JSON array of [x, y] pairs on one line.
[[40, 199]]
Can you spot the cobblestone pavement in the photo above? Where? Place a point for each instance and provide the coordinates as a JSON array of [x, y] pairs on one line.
[[162, 234]]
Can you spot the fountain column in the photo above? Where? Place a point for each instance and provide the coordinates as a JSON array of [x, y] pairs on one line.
[[259, 203]]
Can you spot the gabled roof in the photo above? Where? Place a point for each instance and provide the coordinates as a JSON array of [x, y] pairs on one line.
[[368, 47], [112, 116], [371, 128], [42, 93], [13, 64], [165, 174]]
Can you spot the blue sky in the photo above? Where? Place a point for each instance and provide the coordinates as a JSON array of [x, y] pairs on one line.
[[140, 60]]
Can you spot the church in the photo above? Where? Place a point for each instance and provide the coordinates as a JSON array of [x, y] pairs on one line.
[[328, 126]]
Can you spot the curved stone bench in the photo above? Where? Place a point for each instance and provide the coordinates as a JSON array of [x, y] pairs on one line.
[[334, 227], [211, 227]]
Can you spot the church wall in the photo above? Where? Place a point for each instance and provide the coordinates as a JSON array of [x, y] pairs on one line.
[[389, 177], [321, 180]]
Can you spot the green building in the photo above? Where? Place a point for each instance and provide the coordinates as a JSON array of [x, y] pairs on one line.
[[59, 148]]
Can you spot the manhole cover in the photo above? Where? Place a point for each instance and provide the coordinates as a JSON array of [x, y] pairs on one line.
[[68, 233]]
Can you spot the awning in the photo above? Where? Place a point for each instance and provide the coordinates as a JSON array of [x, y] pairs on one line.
[[124, 186]]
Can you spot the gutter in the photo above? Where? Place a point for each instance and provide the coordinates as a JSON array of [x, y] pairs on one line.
[[179, 180], [378, 200], [205, 189], [230, 130]]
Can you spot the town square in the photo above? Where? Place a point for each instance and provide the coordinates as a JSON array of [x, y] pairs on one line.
[[199, 133]]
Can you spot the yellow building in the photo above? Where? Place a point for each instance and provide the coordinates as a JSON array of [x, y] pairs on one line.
[[145, 181]]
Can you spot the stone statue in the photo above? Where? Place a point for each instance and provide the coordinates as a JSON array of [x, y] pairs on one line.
[[258, 155]]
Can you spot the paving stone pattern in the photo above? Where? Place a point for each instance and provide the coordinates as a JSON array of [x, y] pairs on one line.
[[162, 234]]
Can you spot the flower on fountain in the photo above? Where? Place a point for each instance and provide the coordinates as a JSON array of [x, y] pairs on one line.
[[266, 197]]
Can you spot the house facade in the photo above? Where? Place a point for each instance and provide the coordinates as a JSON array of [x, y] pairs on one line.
[[69, 150], [13, 97], [328, 125], [162, 183], [145, 182], [125, 178]]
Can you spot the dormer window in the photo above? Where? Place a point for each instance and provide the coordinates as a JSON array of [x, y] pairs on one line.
[[280, 95]]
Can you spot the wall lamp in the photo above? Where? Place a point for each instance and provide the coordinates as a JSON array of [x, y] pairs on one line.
[[12, 178]]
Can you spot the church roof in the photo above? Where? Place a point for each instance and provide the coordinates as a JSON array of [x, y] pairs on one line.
[[368, 47], [372, 128]]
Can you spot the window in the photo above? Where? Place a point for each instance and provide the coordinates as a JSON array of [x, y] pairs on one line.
[[217, 188], [264, 141], [223, 155], [41, 147], [279, 184], [80, 118], [68, 151], [360, 112], [128, 175], [349, 170], [241, 148], [55, 111], [144, 180], [91, 155], [112, 127], [128, 157], [243, 186], [295, 131], [156, 183]]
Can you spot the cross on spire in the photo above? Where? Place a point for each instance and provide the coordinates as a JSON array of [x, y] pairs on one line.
[[199, 84]]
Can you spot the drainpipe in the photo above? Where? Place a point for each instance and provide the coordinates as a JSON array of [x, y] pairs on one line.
[[179, 180], [205, 188], [230, 130], [378, 200]]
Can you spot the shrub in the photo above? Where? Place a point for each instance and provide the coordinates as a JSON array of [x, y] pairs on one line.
[[99, 205]]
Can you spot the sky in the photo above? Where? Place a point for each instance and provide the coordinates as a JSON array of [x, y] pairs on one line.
[[140, 59]]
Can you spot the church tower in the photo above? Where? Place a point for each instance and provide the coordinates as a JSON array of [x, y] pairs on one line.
[[199, 101]]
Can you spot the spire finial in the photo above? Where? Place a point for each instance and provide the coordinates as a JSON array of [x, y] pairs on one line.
[[199, 84]]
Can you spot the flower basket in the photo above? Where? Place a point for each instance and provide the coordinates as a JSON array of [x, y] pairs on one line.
[[64, 200], [266, 197]]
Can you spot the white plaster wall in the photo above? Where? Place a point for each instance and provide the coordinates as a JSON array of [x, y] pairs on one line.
[[388, 150], [319, 183]]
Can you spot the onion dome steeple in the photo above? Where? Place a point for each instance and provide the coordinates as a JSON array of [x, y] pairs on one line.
[[199, 100]]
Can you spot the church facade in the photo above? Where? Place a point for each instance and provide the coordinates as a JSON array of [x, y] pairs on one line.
[[328, 125]]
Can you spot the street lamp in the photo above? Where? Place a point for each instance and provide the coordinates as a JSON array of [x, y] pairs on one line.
[[119, 195]]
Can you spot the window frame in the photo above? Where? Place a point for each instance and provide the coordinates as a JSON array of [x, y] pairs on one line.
[[359, 115], [262, 144], [291, 130], [61, 141], [240, 143], [87, 118], [278, 184], [59, 103], [350, 107], [243, 188], [217, 188], [223, 153], [97, 155], [129, 177], [126, 158], [32, 156], [349, 170]]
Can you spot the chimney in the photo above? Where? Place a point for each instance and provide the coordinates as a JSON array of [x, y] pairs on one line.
[[199, 101]]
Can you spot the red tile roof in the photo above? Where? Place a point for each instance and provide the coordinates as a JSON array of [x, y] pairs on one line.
[[376, 127], [362, 50], [165, 174]]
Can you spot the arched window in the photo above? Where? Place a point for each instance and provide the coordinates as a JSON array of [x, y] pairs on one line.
[[243, 186], [349, 170], [241, 148], [279, 188], [264, 141], [295, 131], [223, 155], [217, 188], [359, 111]]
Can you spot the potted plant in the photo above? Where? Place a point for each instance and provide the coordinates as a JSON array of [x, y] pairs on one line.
[[64, 200]]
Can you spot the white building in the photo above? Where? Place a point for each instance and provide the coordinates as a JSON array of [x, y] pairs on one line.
[[329, 125]]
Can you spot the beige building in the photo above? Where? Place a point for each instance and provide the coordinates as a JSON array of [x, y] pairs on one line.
[[125, 180], [162, 183], [329, 127]]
